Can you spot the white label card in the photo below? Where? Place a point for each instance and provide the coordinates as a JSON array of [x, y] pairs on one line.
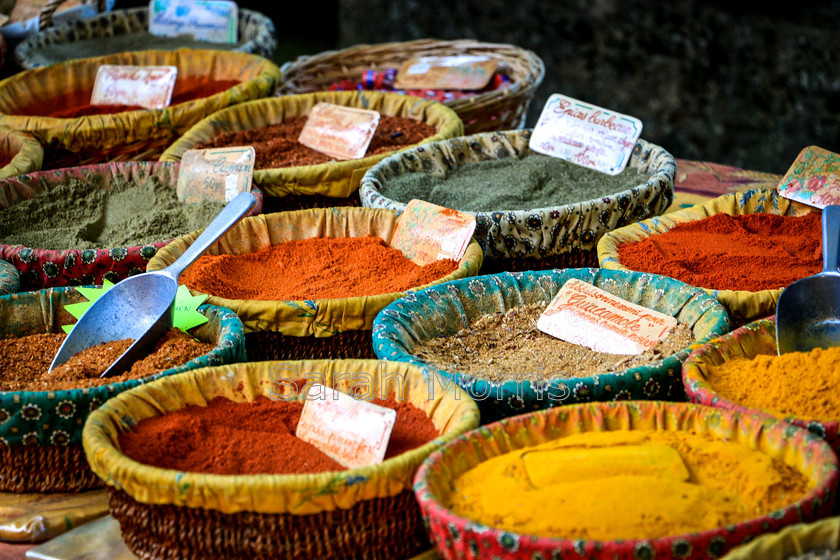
[[585, 134], [145, 86], [215, 21], [218, 174], [353, 432], [338, 131], [427, 232]]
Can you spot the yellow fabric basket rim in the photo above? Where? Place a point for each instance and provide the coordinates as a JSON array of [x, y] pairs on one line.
[[29, 158]]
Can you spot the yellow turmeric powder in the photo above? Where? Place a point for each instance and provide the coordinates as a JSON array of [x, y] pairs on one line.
[[801, 384], [625, 485]]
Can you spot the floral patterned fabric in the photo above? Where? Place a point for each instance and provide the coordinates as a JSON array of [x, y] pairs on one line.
[[56, 417], [42, 268], [9, 279], [447, 308], [458, 537], [539, 232]]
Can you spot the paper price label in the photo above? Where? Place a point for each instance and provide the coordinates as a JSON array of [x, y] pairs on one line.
[[427, 232], [465, 72], [353, 432], [218, 175], [338, 131], [582, 314], [145, 86], [814, 178], [215, 21], [585, 134]]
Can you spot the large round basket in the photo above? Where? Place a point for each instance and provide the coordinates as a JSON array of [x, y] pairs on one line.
[[402, 327], [41, 431], [500, 109], [458, 537], [366, 512], [539, 238]]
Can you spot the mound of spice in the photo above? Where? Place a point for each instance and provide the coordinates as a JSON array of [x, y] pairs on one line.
[[277, 145], [535, 181], [798, 384], [316, 268], [508, 346], [625, 485], [83, 214], [258, 437], [25, 361], [744, 252]]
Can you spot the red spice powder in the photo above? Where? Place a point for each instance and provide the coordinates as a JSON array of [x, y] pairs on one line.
[[745, 252], [227, 437], [317, 268]]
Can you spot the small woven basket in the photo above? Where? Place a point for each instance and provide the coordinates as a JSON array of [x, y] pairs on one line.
[[500, 109]]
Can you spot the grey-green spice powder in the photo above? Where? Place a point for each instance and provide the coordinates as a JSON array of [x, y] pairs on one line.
[[535, 181], [82, 215]]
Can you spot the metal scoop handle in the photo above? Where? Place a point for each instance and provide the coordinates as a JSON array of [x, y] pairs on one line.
[[831, 238]]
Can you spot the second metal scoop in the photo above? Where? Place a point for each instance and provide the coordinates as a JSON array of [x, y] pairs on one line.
[[140, 307], [808, 311]]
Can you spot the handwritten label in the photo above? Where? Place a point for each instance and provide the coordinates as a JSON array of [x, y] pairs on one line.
[[219, 174], [353, 432], [585, 134], [814, 178], [338, 131], [215, 21], [582, 314], [145, 86], [464, 72], [426, 233]]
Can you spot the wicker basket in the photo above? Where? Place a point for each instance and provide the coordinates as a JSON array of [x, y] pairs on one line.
[[541, 238], [366, 512], [458, 537], [41, 431], [323, 328], [43, 268], [493, 110], [444, 310], [129, 135], [27, 154], [256, 36]]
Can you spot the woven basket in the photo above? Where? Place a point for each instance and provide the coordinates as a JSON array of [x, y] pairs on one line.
[[26, 153], [569, 232], [328, 184], [743, 306], [129, 135], [40, 431], [256, 36], [501, 109], [43, 268], [329, 328], [464, 539], [446, 309], [366, 512]]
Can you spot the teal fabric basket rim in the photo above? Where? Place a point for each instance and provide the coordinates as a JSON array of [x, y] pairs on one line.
[[229, 348], [9, 278], [388, 347]]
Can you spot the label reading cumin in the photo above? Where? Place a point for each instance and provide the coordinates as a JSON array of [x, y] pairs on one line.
[[583, 314], [218, 174]]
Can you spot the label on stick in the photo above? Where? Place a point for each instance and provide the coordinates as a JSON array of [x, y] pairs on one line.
[[814, 178], [582, 314], [585, 134], [353, 432], [218, 174], [215, 21], [149, 87], [338, 131], [464, 72], [426, 233]]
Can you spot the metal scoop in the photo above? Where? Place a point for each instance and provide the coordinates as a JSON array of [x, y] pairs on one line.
[[140, 307], [808, 311]]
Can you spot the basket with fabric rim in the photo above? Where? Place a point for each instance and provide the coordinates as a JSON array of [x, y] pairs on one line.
[[41, 431], [127, 135], [366, 512], [540, 238], [27, 154], [458, 537], [500, 109], [47, 268], [256, 36]]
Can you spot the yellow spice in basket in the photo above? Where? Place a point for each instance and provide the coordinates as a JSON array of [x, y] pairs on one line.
[[801, 384], [625, 485]]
